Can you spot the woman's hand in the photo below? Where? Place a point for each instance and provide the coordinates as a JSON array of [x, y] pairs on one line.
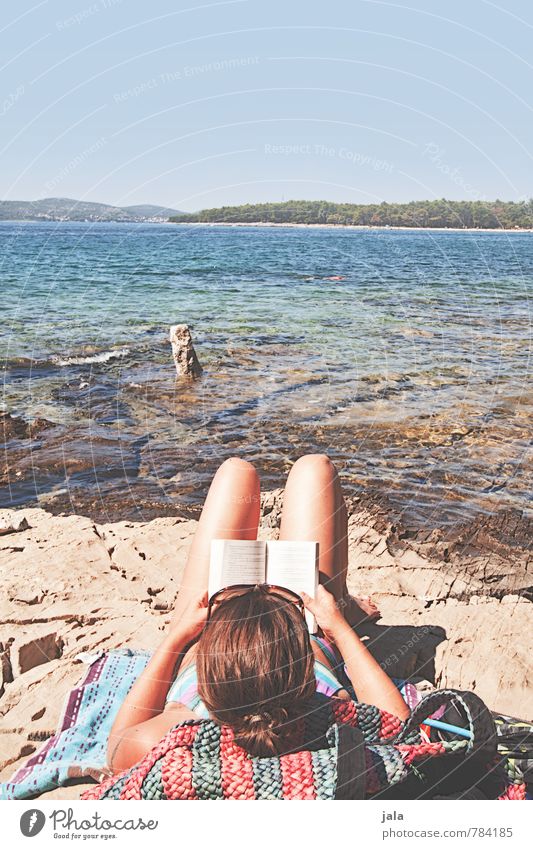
[[326, 612], [369, 680], [191, 622]]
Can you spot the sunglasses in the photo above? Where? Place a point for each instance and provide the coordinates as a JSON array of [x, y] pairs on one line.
[[238, 590]]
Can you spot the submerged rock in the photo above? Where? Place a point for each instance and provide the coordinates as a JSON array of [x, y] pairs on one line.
[[14, 427]]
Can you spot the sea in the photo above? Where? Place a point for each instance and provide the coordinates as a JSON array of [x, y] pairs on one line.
[[405, 355]]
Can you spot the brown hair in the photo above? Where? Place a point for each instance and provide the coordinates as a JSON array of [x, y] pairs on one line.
[[255, 669]]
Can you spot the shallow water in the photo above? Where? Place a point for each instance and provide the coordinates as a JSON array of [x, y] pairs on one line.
[[413, 371]]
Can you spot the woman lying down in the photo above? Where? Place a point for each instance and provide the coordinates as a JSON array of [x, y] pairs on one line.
[[246, 658]]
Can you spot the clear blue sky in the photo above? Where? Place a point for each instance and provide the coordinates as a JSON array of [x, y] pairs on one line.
[[192, 104]]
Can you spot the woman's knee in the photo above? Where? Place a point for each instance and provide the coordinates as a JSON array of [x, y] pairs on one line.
[[236, 467], [315, 465]]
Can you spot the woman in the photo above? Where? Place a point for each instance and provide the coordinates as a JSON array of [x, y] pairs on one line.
[[254, 666]]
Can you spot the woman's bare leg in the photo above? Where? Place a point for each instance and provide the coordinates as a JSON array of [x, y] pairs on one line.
[[231, 511], [314, 509]]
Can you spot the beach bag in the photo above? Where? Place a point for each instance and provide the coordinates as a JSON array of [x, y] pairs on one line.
[[515, 744], [347, 750]]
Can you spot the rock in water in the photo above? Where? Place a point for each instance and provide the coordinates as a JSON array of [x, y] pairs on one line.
[[185, 358]]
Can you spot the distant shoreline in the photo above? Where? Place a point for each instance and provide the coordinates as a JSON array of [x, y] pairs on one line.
[[273, 224], [482, 216], [352, 226]]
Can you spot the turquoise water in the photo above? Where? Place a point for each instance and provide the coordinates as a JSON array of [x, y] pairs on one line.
[[411, 367]]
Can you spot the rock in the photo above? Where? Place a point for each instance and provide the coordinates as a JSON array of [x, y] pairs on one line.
[[12, 523], [271, 507], [29, 651], [6, 673], [28, 596], [185, 359], [12, 748], [13, 427]]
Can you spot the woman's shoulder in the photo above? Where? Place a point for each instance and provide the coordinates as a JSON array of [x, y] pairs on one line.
[[177, 712]]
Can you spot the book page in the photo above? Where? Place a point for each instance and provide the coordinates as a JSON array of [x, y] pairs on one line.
[[294, 565], [236, 562]]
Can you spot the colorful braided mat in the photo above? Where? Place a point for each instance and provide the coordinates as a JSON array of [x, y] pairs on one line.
[[198, 759]]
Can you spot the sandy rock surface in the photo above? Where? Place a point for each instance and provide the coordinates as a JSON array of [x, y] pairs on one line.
[[70, 586]]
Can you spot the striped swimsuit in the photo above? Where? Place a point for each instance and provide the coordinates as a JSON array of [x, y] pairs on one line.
[[185, 687]]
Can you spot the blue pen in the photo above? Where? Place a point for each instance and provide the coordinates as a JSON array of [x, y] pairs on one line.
[[445, 726]]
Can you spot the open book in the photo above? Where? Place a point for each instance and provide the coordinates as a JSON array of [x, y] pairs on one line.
[[289, 564]]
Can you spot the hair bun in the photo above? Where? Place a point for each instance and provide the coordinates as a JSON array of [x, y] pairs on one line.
[[263, 731]]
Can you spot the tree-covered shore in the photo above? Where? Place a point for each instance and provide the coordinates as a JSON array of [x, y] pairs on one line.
[[498, 215]]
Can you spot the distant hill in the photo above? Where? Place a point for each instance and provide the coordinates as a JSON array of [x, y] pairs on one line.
[[148, 210], [67, 209], [501, 215]]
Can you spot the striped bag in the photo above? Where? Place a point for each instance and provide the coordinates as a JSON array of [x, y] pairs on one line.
[[345, 750]]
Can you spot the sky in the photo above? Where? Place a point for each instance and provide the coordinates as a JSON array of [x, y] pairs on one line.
[[200, 104]]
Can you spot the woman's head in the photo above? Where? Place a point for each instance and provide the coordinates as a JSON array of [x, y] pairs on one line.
[[255, 668]]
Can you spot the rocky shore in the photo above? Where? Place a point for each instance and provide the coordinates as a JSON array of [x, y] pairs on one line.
[[456, 607]]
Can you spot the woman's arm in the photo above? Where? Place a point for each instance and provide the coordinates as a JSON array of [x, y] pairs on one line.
[[369, 680], [129, 746], [143, 719]]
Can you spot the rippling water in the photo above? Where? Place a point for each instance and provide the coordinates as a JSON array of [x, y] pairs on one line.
[[406, 355]]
